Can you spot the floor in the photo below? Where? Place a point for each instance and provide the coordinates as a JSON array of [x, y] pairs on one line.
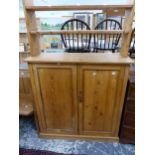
[[29, 139]]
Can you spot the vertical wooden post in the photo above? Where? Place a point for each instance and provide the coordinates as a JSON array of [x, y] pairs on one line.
[[127, 32], [94, 21], [31, 24]]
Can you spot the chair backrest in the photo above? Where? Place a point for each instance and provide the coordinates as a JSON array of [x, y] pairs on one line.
[[132, 44], [107, 41], [76, 42]]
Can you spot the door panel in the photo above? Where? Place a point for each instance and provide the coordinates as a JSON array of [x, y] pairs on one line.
[[57, 88], [99, 86]]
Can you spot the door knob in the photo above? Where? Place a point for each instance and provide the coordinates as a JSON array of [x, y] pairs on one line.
[[113, 73], [94, 73]]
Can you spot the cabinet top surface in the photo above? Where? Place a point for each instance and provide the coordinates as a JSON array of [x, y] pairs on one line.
[[88, 58]]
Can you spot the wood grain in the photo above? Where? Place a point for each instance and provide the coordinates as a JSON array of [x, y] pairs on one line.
[[77, 99], [76, 7], [31, 24], [126, 37], [112, 12], [120, 97], [96, 105], [77, 95], [99, 85], [56, 87], [38, 118], [85, 58], [56, 32], [79, 137]]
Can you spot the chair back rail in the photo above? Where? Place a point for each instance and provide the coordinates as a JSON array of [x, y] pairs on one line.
[[107, 41], [76, 42]]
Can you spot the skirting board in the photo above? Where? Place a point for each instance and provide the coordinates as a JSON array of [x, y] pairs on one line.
[[79, 137]]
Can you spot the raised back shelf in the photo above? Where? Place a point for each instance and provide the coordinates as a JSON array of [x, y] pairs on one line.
[[34, 34]]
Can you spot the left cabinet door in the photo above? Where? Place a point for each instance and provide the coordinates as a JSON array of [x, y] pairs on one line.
[[55, 97]]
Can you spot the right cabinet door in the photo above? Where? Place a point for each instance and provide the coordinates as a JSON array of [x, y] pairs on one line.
[[100, 99]]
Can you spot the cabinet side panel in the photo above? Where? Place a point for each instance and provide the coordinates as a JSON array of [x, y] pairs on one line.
[[120, 97]]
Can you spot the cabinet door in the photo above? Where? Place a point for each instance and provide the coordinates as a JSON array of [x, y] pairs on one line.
[[56, 101], [100, 91]]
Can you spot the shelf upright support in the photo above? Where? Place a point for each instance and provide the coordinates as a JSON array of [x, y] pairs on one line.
[[31, 24], [127, 27]]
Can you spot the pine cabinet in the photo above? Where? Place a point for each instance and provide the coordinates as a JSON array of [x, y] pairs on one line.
[[79, 97]]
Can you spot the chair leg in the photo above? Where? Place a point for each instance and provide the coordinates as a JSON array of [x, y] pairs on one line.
[[113, 51]]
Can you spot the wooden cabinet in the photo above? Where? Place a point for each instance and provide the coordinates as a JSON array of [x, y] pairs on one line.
[[77, 99]]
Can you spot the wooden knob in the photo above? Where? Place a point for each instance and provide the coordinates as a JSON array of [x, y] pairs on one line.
[[94, 73], [113, 73]]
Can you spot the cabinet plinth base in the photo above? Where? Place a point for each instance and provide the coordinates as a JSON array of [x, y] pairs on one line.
[[79, 137]]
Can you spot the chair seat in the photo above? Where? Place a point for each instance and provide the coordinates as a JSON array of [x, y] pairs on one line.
[[106, 49], [69, 50]]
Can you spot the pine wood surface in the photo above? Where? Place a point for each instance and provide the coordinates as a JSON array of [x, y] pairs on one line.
[[70, 89], [56, 32], [76, 7], [96, 58], [81, 100]]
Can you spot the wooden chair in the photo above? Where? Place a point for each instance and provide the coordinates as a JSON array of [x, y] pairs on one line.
[[107, 41], [132, 45], [76, 42]]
